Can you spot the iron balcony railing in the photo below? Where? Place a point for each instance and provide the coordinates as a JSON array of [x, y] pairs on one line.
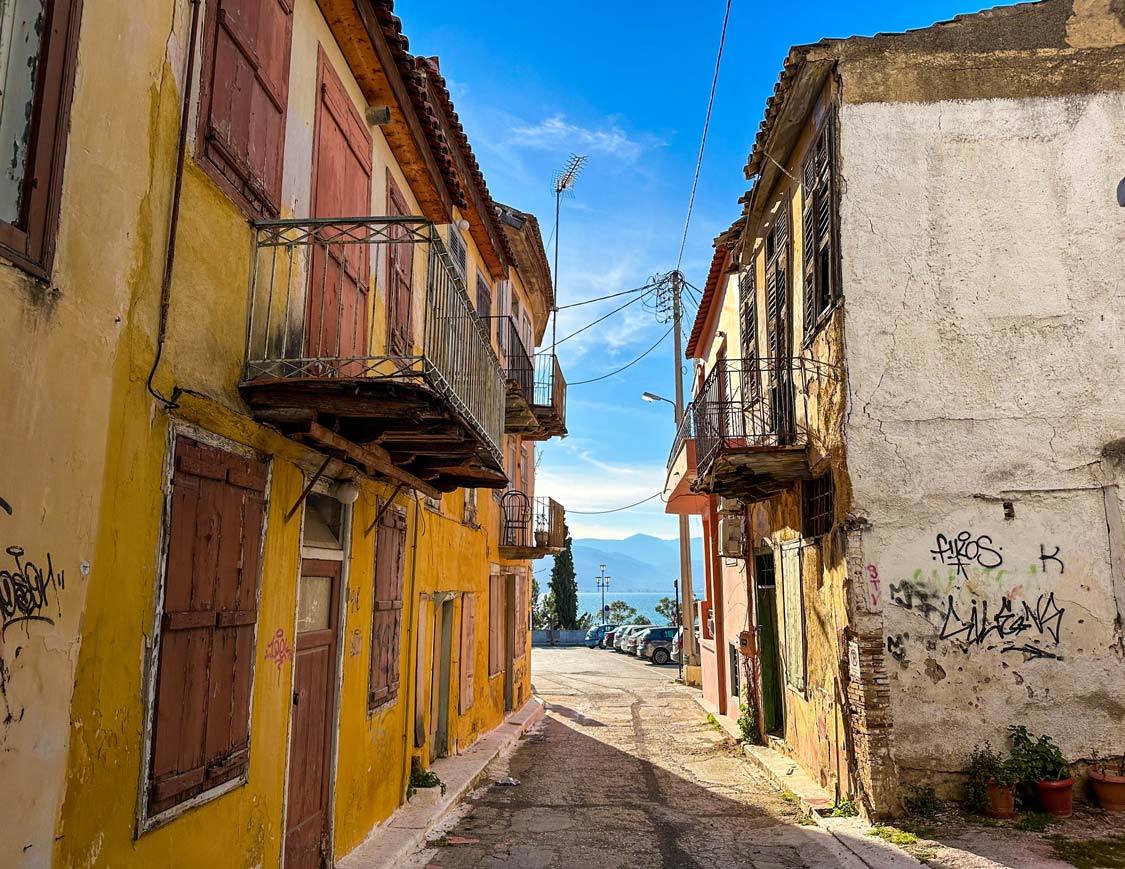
[[550, 385], [754, 403], [516, 361], [311, 312], [532, 523], [685, 431]]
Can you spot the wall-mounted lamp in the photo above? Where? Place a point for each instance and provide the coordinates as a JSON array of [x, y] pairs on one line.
[[463, 225], [346, 492]]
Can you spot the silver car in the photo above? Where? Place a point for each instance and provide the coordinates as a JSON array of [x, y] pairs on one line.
[[655, 644], [629, 646], [620, 635]]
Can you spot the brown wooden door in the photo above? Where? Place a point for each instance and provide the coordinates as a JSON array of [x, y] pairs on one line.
[[400, 270], [314, 694], [339, 269]]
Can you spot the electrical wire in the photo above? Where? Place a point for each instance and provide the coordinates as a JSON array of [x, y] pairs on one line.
[[628, 365], [703, 138], [632, 301], [615, 509], [603, 298]]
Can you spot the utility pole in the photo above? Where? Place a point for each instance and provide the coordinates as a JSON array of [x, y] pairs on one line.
[[690, 653], [603, 584]]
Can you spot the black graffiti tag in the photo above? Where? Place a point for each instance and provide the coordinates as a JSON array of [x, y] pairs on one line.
[[912, 596], [24, 591], [1054, 556], [1044, 618], [965, 550]]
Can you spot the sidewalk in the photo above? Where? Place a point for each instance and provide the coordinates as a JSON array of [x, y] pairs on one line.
[[391, 843]]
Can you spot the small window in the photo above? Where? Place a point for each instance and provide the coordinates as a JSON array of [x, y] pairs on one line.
[[818, 506], [200, 737], [764, 570], [243, 103], [37, 48], [386, 627]]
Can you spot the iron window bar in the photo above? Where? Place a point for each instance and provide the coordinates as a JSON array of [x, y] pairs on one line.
[[684, 432], [515, 359]]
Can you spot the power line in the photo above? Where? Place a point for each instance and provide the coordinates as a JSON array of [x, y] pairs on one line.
[[606, 317], [615, 509], [603, 298], [628, 365], [703, 138]]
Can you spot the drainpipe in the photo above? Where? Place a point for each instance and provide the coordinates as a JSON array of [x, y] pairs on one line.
[[408, 710], [170, 403]]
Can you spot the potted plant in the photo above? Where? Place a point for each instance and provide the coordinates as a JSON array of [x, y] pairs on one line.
[[542, 534], [1042, 767], [1108, 783], [991, 788]]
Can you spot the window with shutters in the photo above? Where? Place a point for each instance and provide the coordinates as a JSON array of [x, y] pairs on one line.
[[748, 326], [468, 651], [484, 302], [777, 285], [245, 90], [38, 42], [495, 624], [793, 610], [400, 277], [200, 735], [818, 220], [458, 252], [386, 622]]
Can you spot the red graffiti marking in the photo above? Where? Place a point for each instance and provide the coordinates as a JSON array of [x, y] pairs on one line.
[[873, 578], [279, 651]]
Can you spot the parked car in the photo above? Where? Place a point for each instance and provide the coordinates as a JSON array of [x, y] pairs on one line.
[[655, 644], [678, 645], [608, 637], [620, 636], [629, 646], [596, 634]]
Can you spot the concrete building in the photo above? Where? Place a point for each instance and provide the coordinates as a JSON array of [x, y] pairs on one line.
[[908, 419], [269, 506]]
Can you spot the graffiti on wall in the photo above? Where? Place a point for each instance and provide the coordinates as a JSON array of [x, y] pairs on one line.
[[279, 651], [998, 616]]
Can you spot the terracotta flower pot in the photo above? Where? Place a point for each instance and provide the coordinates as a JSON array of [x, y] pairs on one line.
[[1109, 790], [1001, 801], [1056, 797]]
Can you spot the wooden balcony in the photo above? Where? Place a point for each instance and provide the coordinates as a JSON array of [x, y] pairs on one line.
[[419, 397], [530, 527], [679, 497], [519, 377], [752, 426], [549, 399]]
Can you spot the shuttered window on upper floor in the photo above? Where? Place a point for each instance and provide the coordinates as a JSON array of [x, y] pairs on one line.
[[201, 717], [386, 622], [38, 42], [821, 276], [245, 89], [777, 285]]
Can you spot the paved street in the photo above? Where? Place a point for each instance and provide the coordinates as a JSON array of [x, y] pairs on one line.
[[625, 770]]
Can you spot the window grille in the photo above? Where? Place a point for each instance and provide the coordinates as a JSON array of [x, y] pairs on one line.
[[818, 506]]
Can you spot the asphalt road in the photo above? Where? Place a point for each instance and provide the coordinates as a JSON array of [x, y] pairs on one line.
[[625, 771]]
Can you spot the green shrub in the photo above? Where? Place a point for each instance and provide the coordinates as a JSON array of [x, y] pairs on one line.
[[1036, 759], [984, 766], [922, 802]]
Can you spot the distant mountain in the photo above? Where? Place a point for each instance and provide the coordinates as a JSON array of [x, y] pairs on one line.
[[637, 563]]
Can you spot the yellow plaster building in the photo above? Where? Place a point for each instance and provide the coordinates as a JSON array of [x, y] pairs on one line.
[[268, 507]]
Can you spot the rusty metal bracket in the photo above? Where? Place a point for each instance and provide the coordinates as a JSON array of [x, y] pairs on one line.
[[308, 488], [383, 508]]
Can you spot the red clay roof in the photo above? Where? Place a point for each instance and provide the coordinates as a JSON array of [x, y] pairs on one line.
[[710, 290]]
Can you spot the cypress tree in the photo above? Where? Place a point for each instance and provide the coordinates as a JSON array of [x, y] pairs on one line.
[[565, 587]]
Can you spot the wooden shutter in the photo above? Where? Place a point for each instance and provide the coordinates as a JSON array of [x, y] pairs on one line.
[[246, 89], [793, 609], [809, 194], [386, 628], [400, 277], [468, 650], [201, 718], [495, 624]]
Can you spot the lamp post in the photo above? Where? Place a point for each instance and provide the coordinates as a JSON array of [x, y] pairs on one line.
[[690, 652], [603, 584]]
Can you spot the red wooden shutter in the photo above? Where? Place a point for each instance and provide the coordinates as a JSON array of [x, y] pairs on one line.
[[246, 80], [386, 629], [201, 720], [468, 650], [400, 275]]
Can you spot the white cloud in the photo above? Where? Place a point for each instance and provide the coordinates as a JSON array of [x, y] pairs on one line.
[[557, 133]]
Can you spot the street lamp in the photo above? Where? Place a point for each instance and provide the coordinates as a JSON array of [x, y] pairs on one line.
[[603, 584], [652, 397]]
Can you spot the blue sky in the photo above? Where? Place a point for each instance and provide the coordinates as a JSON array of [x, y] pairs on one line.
[[626, 84]]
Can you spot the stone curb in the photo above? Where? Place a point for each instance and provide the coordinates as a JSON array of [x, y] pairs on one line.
[[406, 831]]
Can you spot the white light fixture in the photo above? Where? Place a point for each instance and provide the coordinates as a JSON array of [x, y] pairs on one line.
[[346, 492], [463, 225], [652, 396]]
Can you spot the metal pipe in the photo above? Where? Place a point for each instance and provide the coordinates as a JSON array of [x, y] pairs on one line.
[[170, 403]]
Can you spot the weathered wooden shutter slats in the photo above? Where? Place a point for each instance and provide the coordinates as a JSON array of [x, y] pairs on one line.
[[468, 651], [386, 627]]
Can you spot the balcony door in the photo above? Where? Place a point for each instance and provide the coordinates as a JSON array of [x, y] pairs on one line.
[[400, 269], [339, 266], [779, 317]]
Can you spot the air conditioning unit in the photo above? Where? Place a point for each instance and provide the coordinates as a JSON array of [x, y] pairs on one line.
[[731, 540], [731, 506]]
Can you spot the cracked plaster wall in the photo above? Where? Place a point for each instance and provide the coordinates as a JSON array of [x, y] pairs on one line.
[[985, 315]]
